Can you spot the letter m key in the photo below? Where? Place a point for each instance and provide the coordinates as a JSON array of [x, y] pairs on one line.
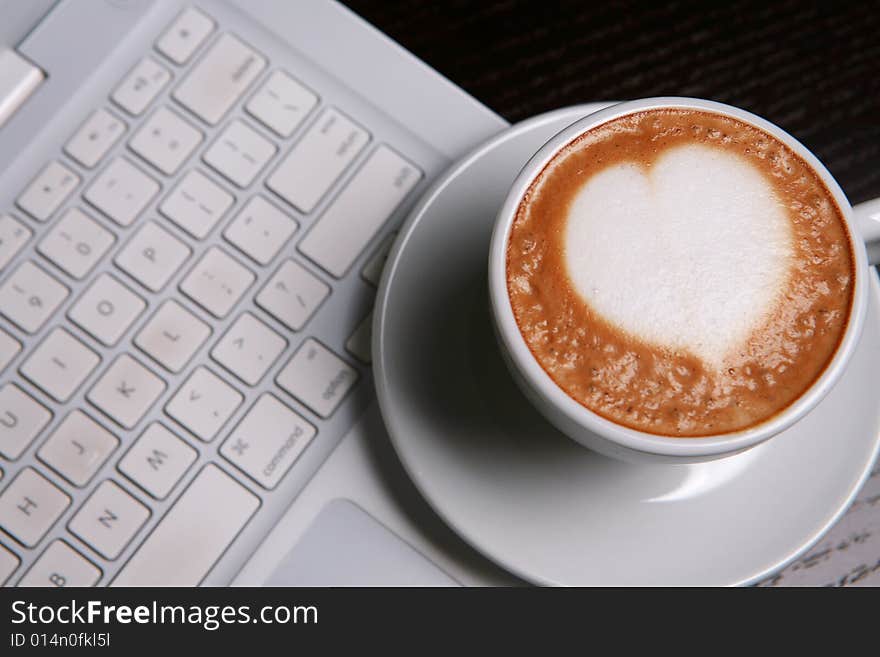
[[157, 459]]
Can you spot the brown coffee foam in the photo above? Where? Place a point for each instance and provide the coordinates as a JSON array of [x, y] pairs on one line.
[[648, 387]]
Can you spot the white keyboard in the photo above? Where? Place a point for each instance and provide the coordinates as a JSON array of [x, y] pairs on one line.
[[165, 282]]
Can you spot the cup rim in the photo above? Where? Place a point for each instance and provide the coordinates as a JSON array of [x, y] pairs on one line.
[[551, 393]]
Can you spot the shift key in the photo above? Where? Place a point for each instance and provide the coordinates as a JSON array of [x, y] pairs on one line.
[[360, 210]]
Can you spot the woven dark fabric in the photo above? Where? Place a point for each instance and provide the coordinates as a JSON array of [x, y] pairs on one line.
[[811, 68]]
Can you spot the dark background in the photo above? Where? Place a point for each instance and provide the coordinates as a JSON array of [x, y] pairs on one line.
[[811, 68]]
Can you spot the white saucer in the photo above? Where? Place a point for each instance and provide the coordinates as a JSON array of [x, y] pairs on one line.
[[541, 505]]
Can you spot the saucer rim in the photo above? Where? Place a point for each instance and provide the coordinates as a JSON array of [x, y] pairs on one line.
[[382, 386]]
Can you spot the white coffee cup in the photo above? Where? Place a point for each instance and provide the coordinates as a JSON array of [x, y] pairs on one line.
[[618, 441]]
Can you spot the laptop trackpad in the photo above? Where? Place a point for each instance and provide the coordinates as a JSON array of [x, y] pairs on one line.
[[344, 546]]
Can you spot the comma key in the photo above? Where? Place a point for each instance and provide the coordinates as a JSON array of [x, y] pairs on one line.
[[204, 403]]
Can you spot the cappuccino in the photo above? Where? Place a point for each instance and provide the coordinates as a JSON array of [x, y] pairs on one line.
[[680, 272]]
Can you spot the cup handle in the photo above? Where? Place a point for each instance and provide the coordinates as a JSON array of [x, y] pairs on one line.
[[868, 221]]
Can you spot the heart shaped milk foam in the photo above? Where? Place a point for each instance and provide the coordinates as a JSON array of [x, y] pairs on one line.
[[691, 253]]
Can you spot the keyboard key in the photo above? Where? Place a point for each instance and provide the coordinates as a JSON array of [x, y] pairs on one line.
[[193, 535], [260, 230], [8, 563], [267, 441], [13, 236], [172, 336], [48, 191], [107, 310], [248, 349], [141, 86], [317, 377], [78, 448], [185, 35], [30, 296], [9, 348], [239, 153], [356, 215], [122, 191], [59, 365], [109, 520], [165, 141], [358, 344], [219, 79], [152, 256], [126, 391], [157, 461], [317, 160], [204, 403], [292, 295], [372, 271], [94, 138], [60, 565], [22, 418], [29, 507], [76, 243], [197, 204], [217, 282], [281, 104]]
